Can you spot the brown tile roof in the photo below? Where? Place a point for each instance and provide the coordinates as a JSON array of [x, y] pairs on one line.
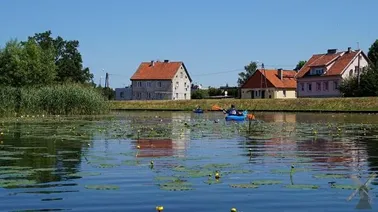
[[159, 71], [273, 81], [341, 61]]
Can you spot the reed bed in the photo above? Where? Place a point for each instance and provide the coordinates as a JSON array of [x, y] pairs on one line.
[[69, 99]]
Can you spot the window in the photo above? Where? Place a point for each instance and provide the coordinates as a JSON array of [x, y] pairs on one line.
[[184, 95], [351, 72], [181, 74], [302, 86], [148, 84], [284, 93], [309, 87], [177, 84], [138, 95], [335, 85], [318, 88], [139, 84], [325, 86], [122, 94], [176, 95], [317, 71], [256, 94], [148, 95], [159, 84]]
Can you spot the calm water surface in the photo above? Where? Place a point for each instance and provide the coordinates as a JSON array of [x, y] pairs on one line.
[[93, 164]]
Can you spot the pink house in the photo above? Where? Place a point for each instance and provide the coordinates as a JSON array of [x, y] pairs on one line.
[[322, 74]]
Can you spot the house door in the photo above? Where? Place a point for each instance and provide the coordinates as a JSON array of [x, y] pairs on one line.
[[252, 94], [263, 94]]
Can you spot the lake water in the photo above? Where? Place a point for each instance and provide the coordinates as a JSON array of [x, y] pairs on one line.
[[283, 162]]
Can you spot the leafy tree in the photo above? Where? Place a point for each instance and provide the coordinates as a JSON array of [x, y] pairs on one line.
[[300, 65], [368, 84], [66, 57], [250, 69], [26, 64], [373, 53], [200, 94]]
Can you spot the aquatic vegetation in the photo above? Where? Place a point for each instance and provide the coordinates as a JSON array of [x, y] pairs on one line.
[[266, 182], [334, 176], [83, 174], [102, 187], [16, 183], [166, 178], [302, 186], [106, 165], [345, 187], [177, 185], [245, 185], [241, 171], [288, 171]]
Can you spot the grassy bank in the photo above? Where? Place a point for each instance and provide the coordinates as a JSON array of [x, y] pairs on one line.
[[294, 105], [51, 100]]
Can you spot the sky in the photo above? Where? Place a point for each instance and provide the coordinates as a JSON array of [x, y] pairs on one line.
[[215, 39]]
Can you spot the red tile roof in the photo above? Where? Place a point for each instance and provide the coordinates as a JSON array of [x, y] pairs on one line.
[[273, 80], [159, 71], [341, 61]]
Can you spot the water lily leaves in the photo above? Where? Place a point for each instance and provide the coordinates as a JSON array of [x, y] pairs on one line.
[[245, 185], [212, 181], [166, 178], [177, 185], [16, 183], [198, 173], [83, 174], [106, 165], [346, 187], [181, 169], [45, 169], [333, 176], [10, 158], [241, 171], [266, 182], [302, 186], [217, 166], [288, 171], [131, 162], [102, 187]]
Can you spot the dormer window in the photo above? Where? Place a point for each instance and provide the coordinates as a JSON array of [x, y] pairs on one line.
[[317, 71]]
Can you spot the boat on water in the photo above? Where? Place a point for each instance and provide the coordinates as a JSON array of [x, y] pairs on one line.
[[237, 117], [198, 111]]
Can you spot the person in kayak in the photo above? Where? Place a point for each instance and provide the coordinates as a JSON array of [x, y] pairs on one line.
[[232, 111]]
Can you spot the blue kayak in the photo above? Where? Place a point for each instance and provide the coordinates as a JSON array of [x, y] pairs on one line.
[[198, 111], [237, 117]]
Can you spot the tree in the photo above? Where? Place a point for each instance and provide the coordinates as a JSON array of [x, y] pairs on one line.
[[368, 84], [300, 64], [373, 53], [26, 64], [250, 69], [67, 58]]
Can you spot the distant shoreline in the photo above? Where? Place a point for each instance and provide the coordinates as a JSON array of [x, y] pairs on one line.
[[314, 105]]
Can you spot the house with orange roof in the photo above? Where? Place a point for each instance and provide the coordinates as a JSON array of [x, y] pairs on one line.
[[270, 84], [158, 80], [323, 73]]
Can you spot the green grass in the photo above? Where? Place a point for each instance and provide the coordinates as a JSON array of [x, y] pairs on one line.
[[366, 104], [70, 99]]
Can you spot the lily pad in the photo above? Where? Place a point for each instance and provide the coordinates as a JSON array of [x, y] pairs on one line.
[[181, 169], [166, 178], [217, 166], [302, 186], [45, 169], [198, 173], [16, 183], [266, 182], [333, 176], [212, 181], [245, 185], [105, 165], [177, 185], [9, 158], [346, 187], [102, 187], [237, 172], [288, 171], [84, 174]]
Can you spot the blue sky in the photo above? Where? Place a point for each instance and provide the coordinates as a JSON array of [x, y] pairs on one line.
[[209, 36]]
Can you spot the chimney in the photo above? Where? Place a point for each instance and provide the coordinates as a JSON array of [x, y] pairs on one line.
[[331, 51], [152, 63], [349, 49], [166, 61], [280, 73]]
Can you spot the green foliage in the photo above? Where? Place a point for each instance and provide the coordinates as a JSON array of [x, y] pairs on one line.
[[67, 99], [373, 53], [66, 57], [368, 84], [26, 64], [214, 91], [108, 93], [250, 69], [300, 65], [200, 94]]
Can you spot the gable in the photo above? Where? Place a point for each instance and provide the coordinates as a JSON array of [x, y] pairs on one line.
[[257, 80]]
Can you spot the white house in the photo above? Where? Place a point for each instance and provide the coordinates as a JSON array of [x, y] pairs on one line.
[[161, 80]]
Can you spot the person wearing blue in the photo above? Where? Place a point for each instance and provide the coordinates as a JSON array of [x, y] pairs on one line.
[[232, 111]]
